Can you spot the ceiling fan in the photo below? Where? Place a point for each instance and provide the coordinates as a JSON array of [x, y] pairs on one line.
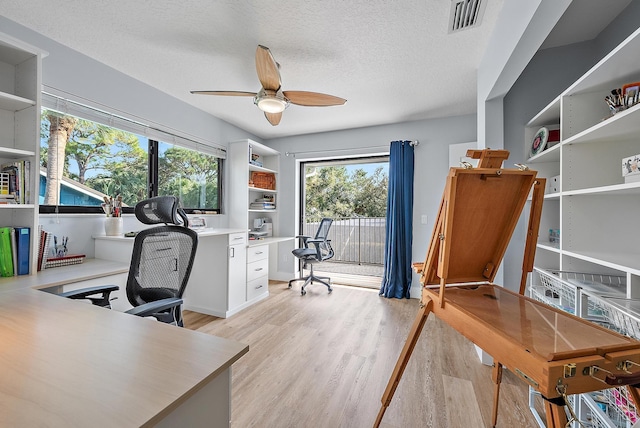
[[271, 99]]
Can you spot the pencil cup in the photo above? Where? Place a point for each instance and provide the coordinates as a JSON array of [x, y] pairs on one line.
[[113, 226]]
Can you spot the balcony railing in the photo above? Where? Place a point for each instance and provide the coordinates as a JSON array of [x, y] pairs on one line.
[[358, 240]]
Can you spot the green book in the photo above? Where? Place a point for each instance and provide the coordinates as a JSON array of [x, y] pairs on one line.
[[6, 257]]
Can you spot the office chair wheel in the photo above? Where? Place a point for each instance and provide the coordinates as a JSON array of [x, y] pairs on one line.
[[303, 292], [330, 290]]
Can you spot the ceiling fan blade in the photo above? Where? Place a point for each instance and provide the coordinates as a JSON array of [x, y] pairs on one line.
[[267, 69], [273, 118], [229, 93], [312, 99]]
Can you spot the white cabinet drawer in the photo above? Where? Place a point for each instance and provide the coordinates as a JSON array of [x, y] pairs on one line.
[[257, 269], [260, 252], [257, 287], [237, 238]]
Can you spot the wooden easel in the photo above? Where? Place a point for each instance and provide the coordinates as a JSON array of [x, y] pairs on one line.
[[477, 216]]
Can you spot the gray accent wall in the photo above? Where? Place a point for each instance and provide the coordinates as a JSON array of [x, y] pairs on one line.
[[549, 73]]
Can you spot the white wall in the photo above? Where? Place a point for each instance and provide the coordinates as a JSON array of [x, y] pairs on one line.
[[431, 167], [80, 78]]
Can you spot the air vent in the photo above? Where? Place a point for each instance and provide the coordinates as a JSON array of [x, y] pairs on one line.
[[466, 14]]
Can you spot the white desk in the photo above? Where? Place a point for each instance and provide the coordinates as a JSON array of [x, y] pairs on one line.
[[69, 364], [221, 282]]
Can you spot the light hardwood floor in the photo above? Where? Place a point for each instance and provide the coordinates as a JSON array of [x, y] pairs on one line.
[[323, 360]]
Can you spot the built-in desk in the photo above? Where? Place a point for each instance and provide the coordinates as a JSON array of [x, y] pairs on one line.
[[229, 273], [64, 363]]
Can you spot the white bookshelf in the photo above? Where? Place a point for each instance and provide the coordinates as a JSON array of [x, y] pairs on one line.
[[594, 209], [20, 87]]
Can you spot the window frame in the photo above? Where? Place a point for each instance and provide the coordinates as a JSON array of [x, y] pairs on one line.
[[153, 157]]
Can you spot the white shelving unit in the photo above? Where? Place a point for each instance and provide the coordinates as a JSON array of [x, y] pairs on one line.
[[261, 256], [20, 86], [594, 209], [241, 193]]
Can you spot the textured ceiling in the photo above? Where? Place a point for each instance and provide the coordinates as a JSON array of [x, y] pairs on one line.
[[393, 61]]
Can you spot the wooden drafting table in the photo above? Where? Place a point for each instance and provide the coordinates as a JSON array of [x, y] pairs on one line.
[[556, 353]]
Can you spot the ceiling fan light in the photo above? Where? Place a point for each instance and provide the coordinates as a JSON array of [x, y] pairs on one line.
[[271, 104]]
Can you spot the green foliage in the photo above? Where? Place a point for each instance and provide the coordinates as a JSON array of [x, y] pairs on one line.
[[332, 192], [112, 161], [191, 175]]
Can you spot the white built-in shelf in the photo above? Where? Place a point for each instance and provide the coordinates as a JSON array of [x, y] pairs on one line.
[[625, 262], [263, 211], [596, 211], [549, 247], [9, 153], [17, 206], [258, 189], [622, 125], [619, 66], [616, 189], [257, 168], [549, 115], [13, 102], [552, 154]]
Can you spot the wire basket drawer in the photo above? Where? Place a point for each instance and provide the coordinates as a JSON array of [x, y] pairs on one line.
[[554, 291], [618, 314]]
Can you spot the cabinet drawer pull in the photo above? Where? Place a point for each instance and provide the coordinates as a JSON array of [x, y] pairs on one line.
[[259, 287], [257, 253], [258, 269], [237, 238]]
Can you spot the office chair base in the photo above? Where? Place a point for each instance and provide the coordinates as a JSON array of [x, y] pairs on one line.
[[310, 280]]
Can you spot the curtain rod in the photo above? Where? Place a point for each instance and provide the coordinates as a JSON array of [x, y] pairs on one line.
[[412, 143]]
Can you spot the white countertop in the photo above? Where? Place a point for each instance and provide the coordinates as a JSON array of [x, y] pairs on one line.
[[204, 232]]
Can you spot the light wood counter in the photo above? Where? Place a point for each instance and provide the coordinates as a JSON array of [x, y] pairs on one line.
[[90, 269], [64, 363]]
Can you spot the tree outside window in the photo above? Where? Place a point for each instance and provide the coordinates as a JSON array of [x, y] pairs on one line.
[[82, 161]]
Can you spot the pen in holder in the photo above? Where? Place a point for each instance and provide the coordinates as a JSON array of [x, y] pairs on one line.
[[113, 209]]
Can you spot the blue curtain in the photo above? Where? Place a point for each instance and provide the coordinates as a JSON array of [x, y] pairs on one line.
[[396, 281]]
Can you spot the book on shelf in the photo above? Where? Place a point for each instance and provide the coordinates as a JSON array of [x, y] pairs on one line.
[[23, 247], [18, 182], [14, 251], [44, 248], [6, 258], [262, 206], [71, 259]]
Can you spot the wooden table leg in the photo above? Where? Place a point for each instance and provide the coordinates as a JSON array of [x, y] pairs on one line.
[[634, 393], [496, 376], [403, 359], [556, 416]]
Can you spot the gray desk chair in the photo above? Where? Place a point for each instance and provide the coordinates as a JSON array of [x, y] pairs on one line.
[[315, 250], [160, 264]]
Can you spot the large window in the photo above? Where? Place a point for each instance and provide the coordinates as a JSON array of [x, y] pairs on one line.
[[82, 161]]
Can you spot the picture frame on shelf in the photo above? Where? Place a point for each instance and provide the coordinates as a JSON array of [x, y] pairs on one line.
[[630, 93], [539, 141]]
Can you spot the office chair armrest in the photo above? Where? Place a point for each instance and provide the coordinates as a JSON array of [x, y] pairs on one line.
[[303, 239], [148, 309], [316, 243], [84, 293]]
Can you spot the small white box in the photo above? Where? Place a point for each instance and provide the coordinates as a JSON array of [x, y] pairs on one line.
[[553, 184], [631, 169]]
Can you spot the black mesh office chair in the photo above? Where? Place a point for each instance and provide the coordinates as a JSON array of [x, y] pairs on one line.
[[319, 251], [160, 264]]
